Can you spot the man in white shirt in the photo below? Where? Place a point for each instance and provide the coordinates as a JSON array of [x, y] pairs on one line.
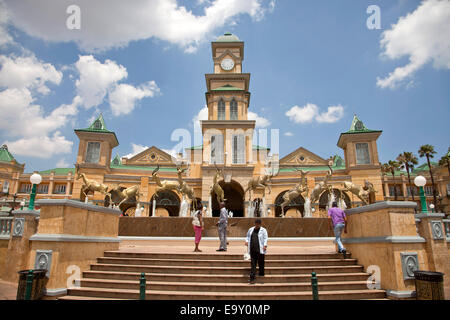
[[256, 243], [222, 224]]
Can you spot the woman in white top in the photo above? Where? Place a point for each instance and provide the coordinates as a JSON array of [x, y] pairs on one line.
[[197, 222]]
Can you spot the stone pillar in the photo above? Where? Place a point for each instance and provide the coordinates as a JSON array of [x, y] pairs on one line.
[[432, 228], [51, 184], [383, 237], [25, 224], [153, 207], [71, 236]]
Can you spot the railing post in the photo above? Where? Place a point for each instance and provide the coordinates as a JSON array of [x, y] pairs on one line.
[[142, 286], [29, 285], [315, 287]]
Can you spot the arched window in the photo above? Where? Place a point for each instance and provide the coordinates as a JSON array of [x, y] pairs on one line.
[[233, 110], [221, 110]]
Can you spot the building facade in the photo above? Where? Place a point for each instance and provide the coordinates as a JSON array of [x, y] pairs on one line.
[[227, 138]]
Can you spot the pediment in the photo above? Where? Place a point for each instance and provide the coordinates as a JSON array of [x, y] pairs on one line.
[[151, 156], [227, 52], [303, 157]]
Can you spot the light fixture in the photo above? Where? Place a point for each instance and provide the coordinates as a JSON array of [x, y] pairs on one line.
[[35, 179], [420, 182]]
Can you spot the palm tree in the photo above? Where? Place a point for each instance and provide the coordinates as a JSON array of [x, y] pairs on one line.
[[391, 167], [408, 160], [445, 161], [427, 151]]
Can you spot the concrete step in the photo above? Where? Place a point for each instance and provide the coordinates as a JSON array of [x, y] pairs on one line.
[[222, 263], [223, 287], [224, 270], [195, 295], [221, 256], [134, 276], [86, 298]]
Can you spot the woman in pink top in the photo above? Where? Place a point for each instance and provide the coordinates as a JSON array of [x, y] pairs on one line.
[[198, 225]]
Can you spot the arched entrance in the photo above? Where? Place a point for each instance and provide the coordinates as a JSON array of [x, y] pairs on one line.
[[338, 194], [297, 204], [234, 195], [169, 201]]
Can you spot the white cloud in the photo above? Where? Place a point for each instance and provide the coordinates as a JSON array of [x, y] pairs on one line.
[[5, 38], [423, 35], [96, 79], [62, 163], [201, 115], [27, 72], [303, 114], [261, 122], [114, 23], [29, 131], [124, 96], [40, 146], [311, 112], [334, 114], [136, 148], [288, 134]]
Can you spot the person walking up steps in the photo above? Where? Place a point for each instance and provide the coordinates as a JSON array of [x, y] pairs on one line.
[[338, 222], [256, 243], [222, 224]]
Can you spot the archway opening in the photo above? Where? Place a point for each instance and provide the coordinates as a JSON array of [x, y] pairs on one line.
[[234, 195], [169, 201], [298, 204]]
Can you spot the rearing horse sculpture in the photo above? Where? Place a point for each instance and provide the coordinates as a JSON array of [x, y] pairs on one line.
[[216, 188], [258, 182], [296, 191], [90, 185], [164, 185], [363, 193], [184, 188], [320, 187]]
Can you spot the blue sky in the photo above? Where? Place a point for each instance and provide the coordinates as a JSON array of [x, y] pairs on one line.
[[298, 53]]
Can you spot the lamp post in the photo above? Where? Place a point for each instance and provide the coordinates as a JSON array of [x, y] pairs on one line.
[[420, 182], [432, 208], [35, 179]]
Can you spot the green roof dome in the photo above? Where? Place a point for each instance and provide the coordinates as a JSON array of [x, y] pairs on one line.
[[228, 37]]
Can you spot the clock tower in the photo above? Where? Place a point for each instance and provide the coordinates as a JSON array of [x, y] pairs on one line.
[[227, 134]]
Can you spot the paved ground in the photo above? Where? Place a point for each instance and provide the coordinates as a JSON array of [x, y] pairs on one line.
[[8, 291]]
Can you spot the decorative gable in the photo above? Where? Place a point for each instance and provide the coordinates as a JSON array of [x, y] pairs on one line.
[[303, 157], [151, 156]]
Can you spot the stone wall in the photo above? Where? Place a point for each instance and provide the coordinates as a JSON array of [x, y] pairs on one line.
[[237, 227]]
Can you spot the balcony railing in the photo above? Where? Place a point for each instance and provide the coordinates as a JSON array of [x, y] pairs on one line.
[[5, 227]]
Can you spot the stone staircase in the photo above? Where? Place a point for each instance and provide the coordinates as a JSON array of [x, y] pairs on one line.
[[221, 276]]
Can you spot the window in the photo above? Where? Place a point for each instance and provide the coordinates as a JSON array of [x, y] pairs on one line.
[[428, 191], [362, 153], [5, 188], [93, 152], [42, 188], [217, 148], [413, 189], [60, 189], [233, 110], [238, 144], [392, 193], [25, 188], [221, 110], [97, 124]]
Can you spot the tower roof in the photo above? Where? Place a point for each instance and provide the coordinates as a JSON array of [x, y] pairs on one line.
[[228, 37], [359, 127], [5, 155], [98, 125]]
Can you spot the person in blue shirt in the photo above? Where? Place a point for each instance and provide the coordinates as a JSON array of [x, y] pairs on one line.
[[256, 243]]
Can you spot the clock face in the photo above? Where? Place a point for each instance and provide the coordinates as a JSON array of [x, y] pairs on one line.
[[227, 64]]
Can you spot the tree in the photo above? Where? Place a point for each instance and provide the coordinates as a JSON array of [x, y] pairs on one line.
[[427, 151], [391, 167], [408, 160], [445, 160]]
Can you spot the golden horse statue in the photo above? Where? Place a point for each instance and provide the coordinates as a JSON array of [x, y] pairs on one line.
[[184, 188], [366, 194], [216, 188], [164, 185], [120, 195], [321, 187], [296, 191], [258, 182], [90, 185]]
